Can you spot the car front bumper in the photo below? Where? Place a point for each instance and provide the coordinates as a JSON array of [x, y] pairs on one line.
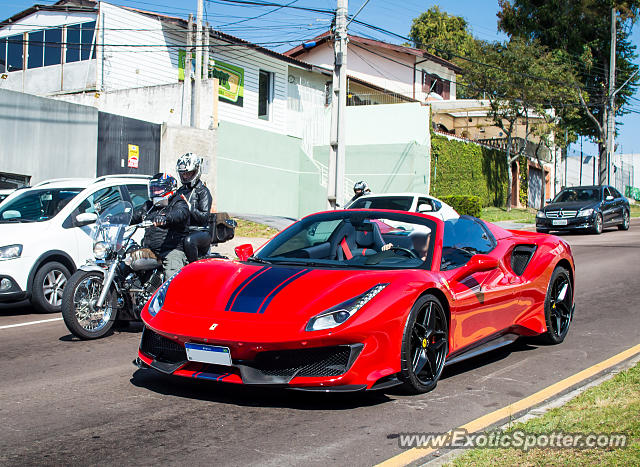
[[318, 366], [13, 292], [573, 223]]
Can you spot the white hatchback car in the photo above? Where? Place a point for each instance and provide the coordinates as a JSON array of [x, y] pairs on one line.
[[412, 202], [42, 243]]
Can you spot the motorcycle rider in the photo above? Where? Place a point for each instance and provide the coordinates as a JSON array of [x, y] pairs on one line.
[[169, 213], [359, 189], [199, 199]]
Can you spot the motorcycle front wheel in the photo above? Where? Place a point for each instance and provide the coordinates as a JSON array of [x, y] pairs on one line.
[[80, 314]]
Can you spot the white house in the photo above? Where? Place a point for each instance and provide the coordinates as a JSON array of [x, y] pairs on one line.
[[412, 73]]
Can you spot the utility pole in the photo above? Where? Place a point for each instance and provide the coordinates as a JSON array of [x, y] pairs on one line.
[[581, 160], [186, 117], [611, 114], [195, 120], [335, 185]]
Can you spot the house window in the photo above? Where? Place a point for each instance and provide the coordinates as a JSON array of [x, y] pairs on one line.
[[35, 51], [3, 55], [86, 38], [73, 44], [15, 59], [265, 94], [53, 47], [435, 84]]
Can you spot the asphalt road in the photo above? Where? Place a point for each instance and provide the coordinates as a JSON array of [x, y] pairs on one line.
[[68, 402]]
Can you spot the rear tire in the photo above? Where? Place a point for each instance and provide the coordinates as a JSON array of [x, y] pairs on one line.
[[597, 226], [425, 345], [626, 222], [558, 307], [48, 287], [80, 315]]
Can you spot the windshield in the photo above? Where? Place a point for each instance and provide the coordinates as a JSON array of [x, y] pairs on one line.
[[393, 203], [112, 222], [355, 239], [36, 205], [577, 194]]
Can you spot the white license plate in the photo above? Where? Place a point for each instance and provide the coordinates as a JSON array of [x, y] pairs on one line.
[[560, 222], [208, 354]]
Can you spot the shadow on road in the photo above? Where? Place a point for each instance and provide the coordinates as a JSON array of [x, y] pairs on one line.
[[247, 396], [20, 309]]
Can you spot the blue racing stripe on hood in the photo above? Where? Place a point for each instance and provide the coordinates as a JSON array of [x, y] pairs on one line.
[[253, 296]]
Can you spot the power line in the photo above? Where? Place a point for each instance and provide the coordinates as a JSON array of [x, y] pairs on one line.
[[260, 15]]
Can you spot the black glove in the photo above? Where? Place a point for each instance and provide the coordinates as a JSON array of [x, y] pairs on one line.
[[160, 221]]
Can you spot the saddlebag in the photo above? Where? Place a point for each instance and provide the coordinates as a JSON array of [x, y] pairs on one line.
[[221, 227]]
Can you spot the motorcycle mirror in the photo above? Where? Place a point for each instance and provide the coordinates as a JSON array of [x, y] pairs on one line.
[[243, 252], [85, 218]]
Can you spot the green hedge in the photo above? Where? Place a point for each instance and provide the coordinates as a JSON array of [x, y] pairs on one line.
[[469, 205], [468, 169]]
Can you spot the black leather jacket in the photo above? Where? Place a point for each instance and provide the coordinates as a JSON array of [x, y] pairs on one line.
[[161, 240], [199, 199]]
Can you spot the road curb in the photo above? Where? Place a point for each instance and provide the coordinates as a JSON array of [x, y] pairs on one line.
[[442, 457], [418, 456]]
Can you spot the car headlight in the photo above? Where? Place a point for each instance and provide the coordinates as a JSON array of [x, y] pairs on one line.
[[541, 215], [100, 250], [10, 252], [340, 313], [157, 300], [585, 212]]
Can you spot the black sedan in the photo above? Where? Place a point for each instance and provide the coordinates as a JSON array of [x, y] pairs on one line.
[[585, 208]]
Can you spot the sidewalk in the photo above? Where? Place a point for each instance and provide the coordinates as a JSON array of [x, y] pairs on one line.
[[510, 225]]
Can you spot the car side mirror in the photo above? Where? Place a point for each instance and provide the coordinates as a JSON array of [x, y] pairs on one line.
[[85, 218], [547, 201], [425, 208], [477, 263], [609, 198], [243, 252]]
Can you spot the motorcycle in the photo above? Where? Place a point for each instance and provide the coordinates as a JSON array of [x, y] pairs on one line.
[[117, 284]]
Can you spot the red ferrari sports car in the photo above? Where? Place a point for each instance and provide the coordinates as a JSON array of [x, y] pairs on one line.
[[359, 299]]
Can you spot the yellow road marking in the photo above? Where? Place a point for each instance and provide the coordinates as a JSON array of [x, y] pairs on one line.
[[480, 423]]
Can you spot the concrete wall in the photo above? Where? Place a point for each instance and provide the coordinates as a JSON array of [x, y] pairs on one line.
[[44, 138], [176, 141], [157, 104]]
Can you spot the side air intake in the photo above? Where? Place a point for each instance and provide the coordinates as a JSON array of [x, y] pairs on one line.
[[520, 257]]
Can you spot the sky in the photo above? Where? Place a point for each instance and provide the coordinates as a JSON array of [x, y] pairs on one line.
[[285, 28]]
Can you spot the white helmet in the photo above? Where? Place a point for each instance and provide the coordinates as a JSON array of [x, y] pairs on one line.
[[189, 167]]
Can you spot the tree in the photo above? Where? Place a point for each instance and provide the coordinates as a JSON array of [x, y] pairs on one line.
[[442, 34], [581, 30], [522, 80], [446, 36]]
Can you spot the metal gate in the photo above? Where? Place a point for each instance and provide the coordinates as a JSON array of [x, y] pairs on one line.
[[127, 146], [535, 187]]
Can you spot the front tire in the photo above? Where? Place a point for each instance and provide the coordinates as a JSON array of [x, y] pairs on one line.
[[558, 307], [626, 222], [48, 287], [425, 345], [597, 226], [80, 315]]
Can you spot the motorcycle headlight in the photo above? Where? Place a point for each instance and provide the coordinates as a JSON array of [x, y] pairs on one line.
[[585, 212], [541, 215], [100, 250], [10, 252], [156, 302], [340, 313]]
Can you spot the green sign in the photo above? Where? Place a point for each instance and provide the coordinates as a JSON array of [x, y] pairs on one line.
[[230, 78]]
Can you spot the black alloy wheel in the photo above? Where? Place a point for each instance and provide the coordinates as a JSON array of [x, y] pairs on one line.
[[558, 307], [425, 345]]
